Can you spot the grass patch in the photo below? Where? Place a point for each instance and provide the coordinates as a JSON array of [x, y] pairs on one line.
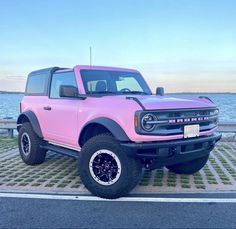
[[23, 184], [185, 186], [145, 178], [62, 185], [157, 184], [75, 186], [200, 186], [11, 184], [158, 177], [29, 180], [49, 185], [7, 144], [171, 184], [224, 178], [35, 184]]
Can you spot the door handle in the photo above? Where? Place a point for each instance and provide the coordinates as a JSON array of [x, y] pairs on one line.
[[47, 108]]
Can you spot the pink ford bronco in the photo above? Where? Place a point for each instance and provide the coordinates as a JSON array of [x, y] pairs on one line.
[[109, 120]]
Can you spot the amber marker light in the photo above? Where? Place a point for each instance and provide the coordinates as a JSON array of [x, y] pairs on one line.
[[135, 121]]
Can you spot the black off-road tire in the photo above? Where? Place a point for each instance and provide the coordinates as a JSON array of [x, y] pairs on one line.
[[36, 155], [131, 169], [189, 167]]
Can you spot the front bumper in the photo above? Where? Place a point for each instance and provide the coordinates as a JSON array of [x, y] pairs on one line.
[[171, 152]]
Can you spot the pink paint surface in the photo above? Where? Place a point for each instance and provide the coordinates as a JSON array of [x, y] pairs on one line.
[[64, 122]]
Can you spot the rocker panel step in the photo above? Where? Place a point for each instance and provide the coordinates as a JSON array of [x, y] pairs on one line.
[[61, 150]]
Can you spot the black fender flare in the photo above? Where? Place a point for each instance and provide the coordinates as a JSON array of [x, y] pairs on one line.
[[115, 129], [32, 119]]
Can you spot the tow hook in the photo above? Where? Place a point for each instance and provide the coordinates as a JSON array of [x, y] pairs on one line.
[[172, 151], [147, 164]]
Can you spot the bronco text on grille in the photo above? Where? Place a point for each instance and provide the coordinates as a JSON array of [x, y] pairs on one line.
[[172, 122]]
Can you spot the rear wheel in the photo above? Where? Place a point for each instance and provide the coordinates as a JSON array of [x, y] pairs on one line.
[[29, 146], [189, 167], [105, 170]]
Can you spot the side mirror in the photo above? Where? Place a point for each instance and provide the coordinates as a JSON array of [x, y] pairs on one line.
[[68, 91], [160, 91]]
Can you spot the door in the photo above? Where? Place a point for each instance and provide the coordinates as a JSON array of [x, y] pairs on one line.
[[60, 115]]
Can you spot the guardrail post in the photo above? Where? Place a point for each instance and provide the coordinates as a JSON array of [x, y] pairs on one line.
[[10, 133]]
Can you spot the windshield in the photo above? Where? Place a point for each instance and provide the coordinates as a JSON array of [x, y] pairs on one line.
[[113, 82]]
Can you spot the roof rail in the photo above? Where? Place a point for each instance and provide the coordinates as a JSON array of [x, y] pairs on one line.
[[48, 71]]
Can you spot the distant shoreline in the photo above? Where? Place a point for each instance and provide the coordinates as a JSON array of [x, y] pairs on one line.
[[169, 93], [11, 92], [231, 93]]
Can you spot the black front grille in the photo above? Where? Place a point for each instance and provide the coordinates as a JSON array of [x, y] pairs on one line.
[[173, 121]]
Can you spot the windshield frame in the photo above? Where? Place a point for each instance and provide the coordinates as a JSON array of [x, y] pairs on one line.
[[136, 75]]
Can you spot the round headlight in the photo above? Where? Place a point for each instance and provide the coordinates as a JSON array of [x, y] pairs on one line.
[[216, 112], [147, 120]]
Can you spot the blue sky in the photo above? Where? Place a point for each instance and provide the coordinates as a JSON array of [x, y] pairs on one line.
[[183, 45]]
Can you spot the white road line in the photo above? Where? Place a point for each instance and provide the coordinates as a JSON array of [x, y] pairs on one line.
[[123, 199]]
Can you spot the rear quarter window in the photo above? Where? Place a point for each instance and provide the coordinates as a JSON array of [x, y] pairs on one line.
[[37, 84]]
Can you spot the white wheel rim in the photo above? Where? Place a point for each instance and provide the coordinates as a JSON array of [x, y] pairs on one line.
[[105, 167], [25, 144]]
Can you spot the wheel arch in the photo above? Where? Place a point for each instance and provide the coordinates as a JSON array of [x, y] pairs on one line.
[[106, 125], [29, 116]]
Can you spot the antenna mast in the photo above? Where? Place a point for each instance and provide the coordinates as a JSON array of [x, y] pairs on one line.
[[90, 55]]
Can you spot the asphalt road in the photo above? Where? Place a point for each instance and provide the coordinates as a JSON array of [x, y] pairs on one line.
[[50, 213]]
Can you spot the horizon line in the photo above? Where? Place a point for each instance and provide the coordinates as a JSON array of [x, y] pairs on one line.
[[226, 92]]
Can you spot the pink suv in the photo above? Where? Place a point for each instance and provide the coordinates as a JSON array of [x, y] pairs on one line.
[[109, 120]]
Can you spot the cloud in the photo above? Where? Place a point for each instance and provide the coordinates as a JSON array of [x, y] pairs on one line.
[[12, 83], [14, 78]]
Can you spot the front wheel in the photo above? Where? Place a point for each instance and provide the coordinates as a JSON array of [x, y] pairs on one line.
[[105, 170], [189, 167]]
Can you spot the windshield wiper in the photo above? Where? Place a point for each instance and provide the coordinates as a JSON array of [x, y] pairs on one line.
[[102, 92], [135, 92], [118, 92]]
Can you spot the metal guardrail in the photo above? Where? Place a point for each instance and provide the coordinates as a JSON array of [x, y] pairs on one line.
[[228, 127], [10, 125]]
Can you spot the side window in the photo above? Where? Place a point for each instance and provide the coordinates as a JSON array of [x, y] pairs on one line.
[[128, 82], [58, 79], [37, 84], [93, 86]]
